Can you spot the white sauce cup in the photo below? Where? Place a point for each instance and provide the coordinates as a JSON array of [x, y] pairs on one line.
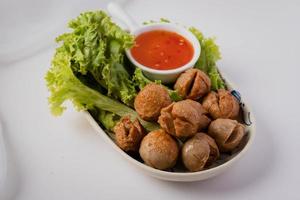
[[166, 76]]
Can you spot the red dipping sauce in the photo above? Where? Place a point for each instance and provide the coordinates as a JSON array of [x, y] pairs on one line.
[[162, 50]]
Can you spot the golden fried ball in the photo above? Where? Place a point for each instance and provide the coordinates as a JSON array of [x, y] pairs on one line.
[[193, 84], [129, 134], [184, 118], [159, 150], [150, 100], [227, 133], [195, 154], [221, 104], [214, 150]]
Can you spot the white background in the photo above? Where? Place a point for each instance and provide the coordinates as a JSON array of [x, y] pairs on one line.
[[63, 158]]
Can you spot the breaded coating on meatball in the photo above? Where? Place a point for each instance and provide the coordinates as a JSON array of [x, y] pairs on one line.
[[129, 134], [159, 150], [184, 118], [227, 133], [221, 104], [195, 154], [193, 84], [214, 150], [150, 100]]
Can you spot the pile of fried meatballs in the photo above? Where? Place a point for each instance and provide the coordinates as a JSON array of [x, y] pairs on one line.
[[194, 130]]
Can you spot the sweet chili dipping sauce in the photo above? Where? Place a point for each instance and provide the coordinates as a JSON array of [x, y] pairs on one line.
[[162, 50]]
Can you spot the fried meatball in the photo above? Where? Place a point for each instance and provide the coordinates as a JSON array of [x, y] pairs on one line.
[[195, 153], [227, 133], [150, 100], [129, 134], [221, 104], [193, 84], [159, 150], [184, 118], [214, 150]]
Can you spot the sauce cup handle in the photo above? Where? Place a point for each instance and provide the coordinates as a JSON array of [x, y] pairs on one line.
[[115, 10]]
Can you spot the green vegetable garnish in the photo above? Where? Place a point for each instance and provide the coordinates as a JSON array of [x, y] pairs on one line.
[[210, 54], [64, 85], [141, 81], [108, 119], [96, 45], [89, 69], [161, 20]]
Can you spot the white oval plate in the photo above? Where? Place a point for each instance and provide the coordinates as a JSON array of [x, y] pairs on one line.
[[187, 176]]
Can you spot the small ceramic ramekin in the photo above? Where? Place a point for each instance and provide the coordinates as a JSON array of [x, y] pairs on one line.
[[167, 76]]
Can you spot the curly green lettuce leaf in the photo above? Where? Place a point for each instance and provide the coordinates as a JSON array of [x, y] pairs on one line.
[[96, 45], [141, 81], [105, 118], [108, 119], [117, 78], [174, 95], [210, 54], [64, 85], [161, 20]]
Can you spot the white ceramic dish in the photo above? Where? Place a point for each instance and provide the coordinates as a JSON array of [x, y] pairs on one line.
[[188, 176]]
